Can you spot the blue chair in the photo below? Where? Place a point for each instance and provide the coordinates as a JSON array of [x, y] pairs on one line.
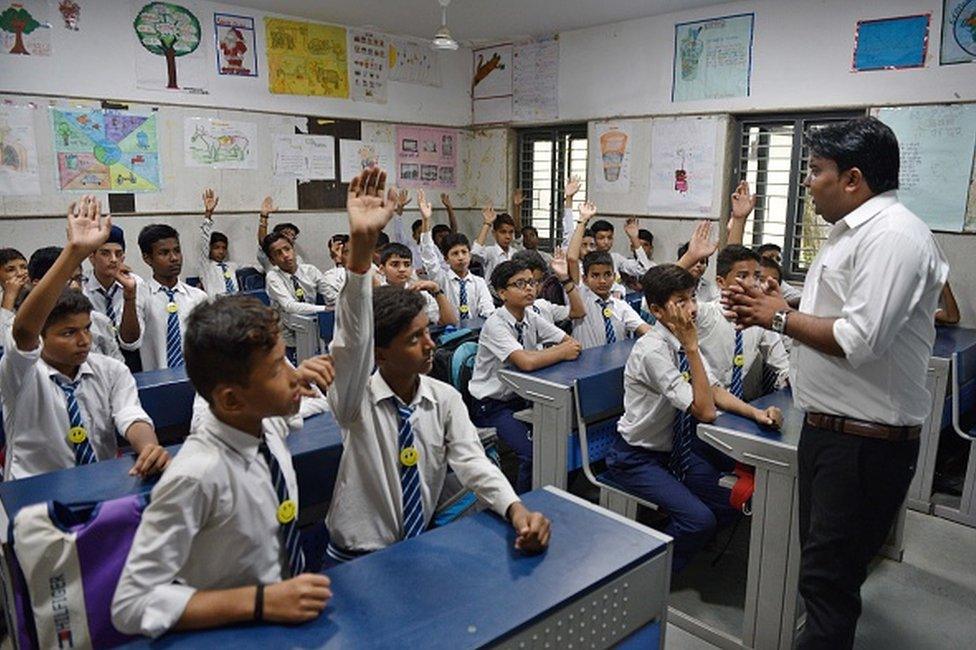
[[194, 282], [260, 294], [326, 327], [250, 278]]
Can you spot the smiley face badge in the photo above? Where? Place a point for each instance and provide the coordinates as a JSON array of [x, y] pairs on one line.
[[77, 435], [287, 510], [409, 456]]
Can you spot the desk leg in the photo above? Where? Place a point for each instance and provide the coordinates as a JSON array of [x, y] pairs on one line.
[[920, 491], [551, 426], [966, 514], [894, 546]]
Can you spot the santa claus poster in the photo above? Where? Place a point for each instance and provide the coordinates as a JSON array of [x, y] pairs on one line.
[[234, 40]]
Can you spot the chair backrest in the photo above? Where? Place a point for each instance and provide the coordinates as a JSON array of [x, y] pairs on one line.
[[326, 326], [253, 282], [194, 281], [260, 294]]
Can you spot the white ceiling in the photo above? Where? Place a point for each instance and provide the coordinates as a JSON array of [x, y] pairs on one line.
[[475, 20]]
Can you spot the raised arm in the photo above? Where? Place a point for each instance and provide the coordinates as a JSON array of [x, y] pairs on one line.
[[267, 207], [210, 201], [429, 254], [451, 217], [743, 203], [587, 212], [517, 200], [560, 266], [569, 191], [700, 246], [488, 215]]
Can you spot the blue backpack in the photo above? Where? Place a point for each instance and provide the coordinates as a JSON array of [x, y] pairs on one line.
[[454, 360]]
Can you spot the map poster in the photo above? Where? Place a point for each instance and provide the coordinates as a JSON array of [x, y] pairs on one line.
[[426, 157], [369, 61], [18, 151], [237, 53], [712, 58], [611, 157], [412, 61], [958, 31], [219, 144], [306, 58], [682, 166], [891, 43], [99, 149]]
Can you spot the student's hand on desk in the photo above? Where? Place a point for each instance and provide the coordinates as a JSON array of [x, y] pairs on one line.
[[770, 417], [297, 600], [153, 459], [318, 371], [531, 528], [571, 349], [755, 305]]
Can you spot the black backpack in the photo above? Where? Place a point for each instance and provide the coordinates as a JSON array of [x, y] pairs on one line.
[[454, 359]]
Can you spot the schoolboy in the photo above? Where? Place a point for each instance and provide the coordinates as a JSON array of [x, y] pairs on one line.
[[13, 282], [603, 238], [705, 289], [217, 273], [401, 429], [503, 228], [289, 230], [514, 336], [62, 403], [396, 265], [164, 301], [552, 312], [667, 386], [112, 289], [218, 543]]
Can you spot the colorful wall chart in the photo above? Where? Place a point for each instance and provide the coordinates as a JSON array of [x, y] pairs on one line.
[[100, 149], [18, 151], [369, 66], [958, 31], [237, 54], [611, 157], [412, 61], [356, 155], [25, 28], [682, 166], [891, 43], [219, 144], [306, 58], [712, 58], [167, 52], [426, 157]]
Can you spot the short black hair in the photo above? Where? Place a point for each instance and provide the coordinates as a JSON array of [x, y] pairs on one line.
[[597, 258], [645, 235], [222, 338], [8, 255], [504, 219], [438, 229], [588, 233], [393, 309], [505, 271], [528, 228], [395, 249], [533, 259], [663, 281], [682, 250], [41, 262], [728, 256], [601, 225], [270, 239], [341, 237], [768, 247], [69, 303], [382, 239], [452, 240], [766, 263], [864, 142], [153, 233], [416, 225], [216, 237], [286, 225]]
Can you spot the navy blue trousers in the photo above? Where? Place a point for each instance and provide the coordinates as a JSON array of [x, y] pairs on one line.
[[500, 415]]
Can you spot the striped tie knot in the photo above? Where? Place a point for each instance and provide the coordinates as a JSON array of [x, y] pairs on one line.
[[286, 513], [77, 435], [606, 310], [109, 295], [408, 456]]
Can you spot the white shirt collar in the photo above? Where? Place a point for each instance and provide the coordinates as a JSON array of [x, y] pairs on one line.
[[666, 334], [84, 369], [869, 209], [381, 390], [155, 286], [243, 443]]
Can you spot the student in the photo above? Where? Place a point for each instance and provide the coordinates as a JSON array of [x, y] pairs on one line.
[[948, 311], [770, 270], [646, 239], [401, 429], [382, 241], [396, 265], [289, 230], [503, 227], [63, 404], [513, 337], [530, 242], [705, 290], [218, 543], [468, 294], [335, 278], [603, 238], [337, 244], [607, 319], [164, 301], [112, 289], [400, 236], [13, 282], [218, 276], [551, 311], [667, 386]]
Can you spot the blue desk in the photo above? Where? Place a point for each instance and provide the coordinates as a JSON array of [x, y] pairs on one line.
[[166, 395], [550, 391], [602, 580]]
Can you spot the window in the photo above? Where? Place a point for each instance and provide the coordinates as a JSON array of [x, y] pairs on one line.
[[546, 158], [773, 158]]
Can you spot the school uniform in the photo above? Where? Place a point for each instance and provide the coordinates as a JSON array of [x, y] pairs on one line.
[[110, 302], [267, 265], [477, 300], [401, 236], [211, 523], [635, 266], [550, 311], [431, 308], [605, 321], [493, 255], [39, 415], [162, 314], [684, 483], [218, 278], [294, 293], [790, 293], [707, 291], [377, 502], [496, 404], [332, 282], [105, 338]]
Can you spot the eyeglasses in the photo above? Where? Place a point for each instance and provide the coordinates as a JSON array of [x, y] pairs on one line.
[[522, 285]]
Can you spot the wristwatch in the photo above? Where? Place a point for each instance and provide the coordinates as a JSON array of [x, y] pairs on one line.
[[779, 321]]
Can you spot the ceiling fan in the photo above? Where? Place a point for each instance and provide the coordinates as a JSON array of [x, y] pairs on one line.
[[442, 37]]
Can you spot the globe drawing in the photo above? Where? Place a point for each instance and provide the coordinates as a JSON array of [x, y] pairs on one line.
[[964, 29], [107, 153]]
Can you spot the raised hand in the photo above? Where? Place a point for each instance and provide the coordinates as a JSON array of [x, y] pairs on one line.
[[87, 228], [425, 210], [315, 371], [267, 206], [402, 199], [559, 265], [701, 245], [743, 203], [123, 276], [587, 211], [369, 204], [632, 228], [210, 201], [488, 213], [572, 187], [517, 198], [446, 200]]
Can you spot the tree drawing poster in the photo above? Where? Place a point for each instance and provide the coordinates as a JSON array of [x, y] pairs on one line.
[[306, 58], [237, 53], [712, 58], [167, 49], [25, 28], [426, 157], [98, 149], [18, 151], [682, 166], [219, 144]]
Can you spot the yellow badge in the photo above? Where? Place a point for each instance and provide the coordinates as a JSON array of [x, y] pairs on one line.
[[409, 456], [617, 279], [299, 293], [227, 274], [607, 312], [77, 435], [464, 309], [286, 511], [739, 360], [172, 308], [686, 375]]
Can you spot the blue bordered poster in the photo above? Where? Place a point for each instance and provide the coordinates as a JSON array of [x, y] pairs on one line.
[[958, 31], [891, 43], [235, 47], [712, 58]]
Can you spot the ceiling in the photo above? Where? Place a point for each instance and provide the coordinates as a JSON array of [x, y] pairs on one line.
[[475, 20]]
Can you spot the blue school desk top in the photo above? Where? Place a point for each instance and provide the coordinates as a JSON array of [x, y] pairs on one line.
[[461, 586], [953, 339], [788, 435], [166, 395], [593, 361]]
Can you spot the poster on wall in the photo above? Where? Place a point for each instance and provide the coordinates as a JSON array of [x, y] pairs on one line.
[[535, 77], [712, 58], [891, 43], [412, 61], [18, 152], [369, 60], [611, 157], [219, 144], [682, 166], [304, 157], [97, 149], [958, 31], [25, 28], [306, 58], [491, 85], [356, 155], [426, 157], [937, 145], [70, 14], [166, 48], [235, 46]]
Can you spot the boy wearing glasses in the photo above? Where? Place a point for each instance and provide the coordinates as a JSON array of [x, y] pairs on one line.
[[514, 336]]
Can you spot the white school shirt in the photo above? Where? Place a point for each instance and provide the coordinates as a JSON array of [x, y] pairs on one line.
[[151, 301], [789, 292], [281, 291], [211, 275], [633, 266], [716, 339], [480, 303], [267, 265], [366, 512], [98, 295], [879, 273], [105, 339], [707, 291], [211, 523], [655, 391], [590, 331], [332, 283], [550, 311], [35, 410], [431, 308], [498, 341], [493, 255], [402, 236]]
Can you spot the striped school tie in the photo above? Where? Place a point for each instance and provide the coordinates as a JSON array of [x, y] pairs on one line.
[[684, 430], [413, 504], [738, 362], [109, 296], [299, 291], [228, 282], [174, 338], [520, 333], [607, 312], [77, 434], [769, 379], [463, 307], [287, 513]]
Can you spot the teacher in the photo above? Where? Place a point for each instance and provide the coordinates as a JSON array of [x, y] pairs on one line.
[[863, 337]]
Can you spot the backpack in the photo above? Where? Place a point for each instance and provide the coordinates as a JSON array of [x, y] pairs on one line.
[[454, 359]]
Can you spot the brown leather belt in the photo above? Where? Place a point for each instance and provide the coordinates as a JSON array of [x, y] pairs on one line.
[[861, 428]]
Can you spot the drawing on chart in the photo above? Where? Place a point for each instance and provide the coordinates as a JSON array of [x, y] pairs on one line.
[[70, 13], [485, 68], [306, 58], [19, 25], [18, 153], [680, 174], [219, 143], [691, 51], [207, 149], [169, 31]]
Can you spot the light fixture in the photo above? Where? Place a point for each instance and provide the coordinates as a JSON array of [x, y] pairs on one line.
[[442, 37]]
